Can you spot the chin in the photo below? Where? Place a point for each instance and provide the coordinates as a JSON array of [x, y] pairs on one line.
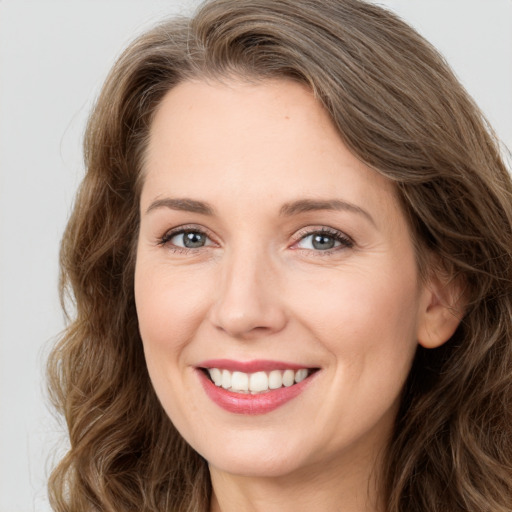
[[254, 458], [255, 467]]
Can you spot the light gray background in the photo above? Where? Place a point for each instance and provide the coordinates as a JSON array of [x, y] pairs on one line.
[[53, 58]]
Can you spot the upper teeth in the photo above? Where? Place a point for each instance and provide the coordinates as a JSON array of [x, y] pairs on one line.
[[258, 382]]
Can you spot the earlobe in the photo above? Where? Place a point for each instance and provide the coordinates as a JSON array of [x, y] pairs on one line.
[[442, 312]]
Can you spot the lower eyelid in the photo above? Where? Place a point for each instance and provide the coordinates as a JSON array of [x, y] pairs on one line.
[[338, 245]]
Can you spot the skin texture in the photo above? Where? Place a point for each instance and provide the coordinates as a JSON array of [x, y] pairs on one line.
[[259, 289]]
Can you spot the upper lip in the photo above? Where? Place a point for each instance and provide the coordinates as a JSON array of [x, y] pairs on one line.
[[255, 365]]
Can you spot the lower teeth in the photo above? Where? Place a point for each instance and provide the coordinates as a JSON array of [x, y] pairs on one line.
[[242, 392]]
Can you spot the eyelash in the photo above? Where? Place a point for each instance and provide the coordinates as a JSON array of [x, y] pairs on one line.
[[169, 235], [345, 242]]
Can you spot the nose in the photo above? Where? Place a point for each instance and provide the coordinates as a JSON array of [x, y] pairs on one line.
[[248, 303]]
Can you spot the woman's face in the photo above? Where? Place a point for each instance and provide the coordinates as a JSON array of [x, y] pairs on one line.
[[267, 254]]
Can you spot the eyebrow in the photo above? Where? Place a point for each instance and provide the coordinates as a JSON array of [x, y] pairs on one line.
[[287, 210], [309, 205], [187, 205]]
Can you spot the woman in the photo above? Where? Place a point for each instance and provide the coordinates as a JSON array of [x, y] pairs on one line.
[[291, 264]]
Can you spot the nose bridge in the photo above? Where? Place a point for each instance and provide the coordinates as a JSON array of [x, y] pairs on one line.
[[248, 301]]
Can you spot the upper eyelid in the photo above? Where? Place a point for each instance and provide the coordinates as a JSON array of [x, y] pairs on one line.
[[311, 230], [187, 227]]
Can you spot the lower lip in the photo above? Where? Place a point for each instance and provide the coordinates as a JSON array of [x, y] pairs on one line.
[[241, 403]]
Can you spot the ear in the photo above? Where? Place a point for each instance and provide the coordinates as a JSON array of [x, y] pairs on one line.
[[443, 305]]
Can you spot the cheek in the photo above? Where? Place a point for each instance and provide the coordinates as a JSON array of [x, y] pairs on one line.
[[360, 316], [367, 324], [170, 305]]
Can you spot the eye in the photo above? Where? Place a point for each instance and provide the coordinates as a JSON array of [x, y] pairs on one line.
[[189, 239], [186, 239], [324, 240]]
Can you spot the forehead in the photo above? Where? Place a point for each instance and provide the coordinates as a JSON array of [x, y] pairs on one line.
[[258, 141]]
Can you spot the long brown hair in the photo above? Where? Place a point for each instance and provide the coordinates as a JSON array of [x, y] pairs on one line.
[[400, 109]]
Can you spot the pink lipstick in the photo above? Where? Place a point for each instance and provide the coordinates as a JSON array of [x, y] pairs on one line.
[[253, 387]]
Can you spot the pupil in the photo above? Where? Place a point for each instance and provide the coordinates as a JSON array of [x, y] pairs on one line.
[[323, 242], [192, 240]]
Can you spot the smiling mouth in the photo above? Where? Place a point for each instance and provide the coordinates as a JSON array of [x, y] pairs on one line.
[[256, 383]]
